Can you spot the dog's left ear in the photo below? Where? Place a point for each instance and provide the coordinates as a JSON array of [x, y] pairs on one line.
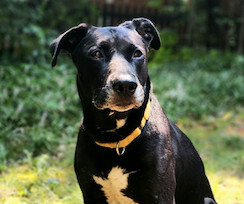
[[147, 30], [68, 41]]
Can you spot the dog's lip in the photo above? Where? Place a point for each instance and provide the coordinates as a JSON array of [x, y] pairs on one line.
[[120, 108], [124, 103]]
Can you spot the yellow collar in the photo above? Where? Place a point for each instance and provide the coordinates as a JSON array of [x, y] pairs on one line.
[[126, 141]]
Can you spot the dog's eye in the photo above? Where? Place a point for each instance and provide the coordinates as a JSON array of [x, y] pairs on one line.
[[137, 54], [97, 54]]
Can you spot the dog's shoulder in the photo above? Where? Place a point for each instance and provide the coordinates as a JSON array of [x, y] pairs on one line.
[[158, 121]]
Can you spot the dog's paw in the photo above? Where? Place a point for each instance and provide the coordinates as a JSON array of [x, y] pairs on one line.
[[209, 201]]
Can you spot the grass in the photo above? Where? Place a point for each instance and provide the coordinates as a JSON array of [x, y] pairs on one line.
[[220, 142], [40, 115], [39, 181]]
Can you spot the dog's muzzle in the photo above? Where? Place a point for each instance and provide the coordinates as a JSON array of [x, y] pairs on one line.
[[123, 90], [119, 95]]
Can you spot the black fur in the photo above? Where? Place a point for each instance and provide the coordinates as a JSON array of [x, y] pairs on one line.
[[164, 166]]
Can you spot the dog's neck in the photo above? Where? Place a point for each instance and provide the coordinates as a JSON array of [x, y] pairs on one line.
[[111, 126]]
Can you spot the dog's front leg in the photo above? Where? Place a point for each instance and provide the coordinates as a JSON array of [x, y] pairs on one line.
[[92, 193]]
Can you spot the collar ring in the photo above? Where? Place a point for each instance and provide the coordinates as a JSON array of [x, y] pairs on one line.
[[119, 153]]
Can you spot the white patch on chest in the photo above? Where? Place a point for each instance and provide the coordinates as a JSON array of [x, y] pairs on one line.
[[112, 186], [120, 123]]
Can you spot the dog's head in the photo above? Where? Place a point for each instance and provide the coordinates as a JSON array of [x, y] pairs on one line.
[[111, 61]]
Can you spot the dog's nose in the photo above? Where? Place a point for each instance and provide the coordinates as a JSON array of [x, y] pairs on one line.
[[126, 88]]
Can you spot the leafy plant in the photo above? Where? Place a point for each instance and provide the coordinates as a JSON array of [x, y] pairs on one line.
[[201, 86], [35, 117], [28, 26]]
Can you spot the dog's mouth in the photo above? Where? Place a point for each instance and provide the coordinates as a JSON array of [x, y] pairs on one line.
[[118, 105], [124, 107], [107, 99]]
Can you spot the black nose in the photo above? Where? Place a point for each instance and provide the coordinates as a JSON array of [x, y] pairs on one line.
[[125, 88]]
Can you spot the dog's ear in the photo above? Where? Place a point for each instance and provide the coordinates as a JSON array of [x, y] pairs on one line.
[[148, 32], [146, 29], [68, 41]]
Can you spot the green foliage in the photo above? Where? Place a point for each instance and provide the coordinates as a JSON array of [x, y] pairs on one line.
[[169, 41], [212, 24], [28, 26], [167, 8], [37, 106], [200, 86], [171, 50], [20, 35]]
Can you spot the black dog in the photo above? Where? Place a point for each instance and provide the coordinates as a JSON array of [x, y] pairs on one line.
[[127, 151]]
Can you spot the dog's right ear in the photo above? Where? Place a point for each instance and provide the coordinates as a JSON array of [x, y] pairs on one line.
[[68, 41]]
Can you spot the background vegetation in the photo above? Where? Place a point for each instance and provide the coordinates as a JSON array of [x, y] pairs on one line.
[[199, 83]]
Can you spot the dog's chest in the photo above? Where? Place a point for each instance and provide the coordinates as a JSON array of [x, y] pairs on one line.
[[113, 185]]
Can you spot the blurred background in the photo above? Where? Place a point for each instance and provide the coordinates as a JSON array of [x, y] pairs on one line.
[[198, 77], [193, 23]]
